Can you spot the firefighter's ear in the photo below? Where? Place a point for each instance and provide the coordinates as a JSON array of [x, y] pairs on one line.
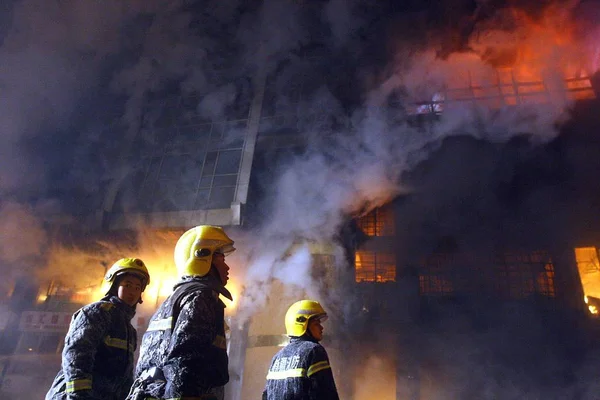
[[140, 301]]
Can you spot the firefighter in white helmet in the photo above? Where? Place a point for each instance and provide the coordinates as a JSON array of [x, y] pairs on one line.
[[301, 370], [183, 352], [97, 360]]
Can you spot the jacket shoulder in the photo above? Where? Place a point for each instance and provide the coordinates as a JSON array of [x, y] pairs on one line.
[[93, 314], [199, 294], [308, 345], [313, 350], [99, 307]]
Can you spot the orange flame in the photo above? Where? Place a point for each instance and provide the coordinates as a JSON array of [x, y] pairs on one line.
[[535, 47]]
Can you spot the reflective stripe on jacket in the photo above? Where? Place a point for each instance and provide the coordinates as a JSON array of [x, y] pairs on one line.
[[300, 371], [186, 340], [97, 360]]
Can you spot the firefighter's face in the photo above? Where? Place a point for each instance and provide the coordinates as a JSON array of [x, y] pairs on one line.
[[221, 267], [315, 328], [130, 289]]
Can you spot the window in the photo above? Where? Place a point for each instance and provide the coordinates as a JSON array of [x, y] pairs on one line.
[[505, 87], [375, 267], [435, 276], [527, 273], [513, 275], [379, 222], [185, 161]]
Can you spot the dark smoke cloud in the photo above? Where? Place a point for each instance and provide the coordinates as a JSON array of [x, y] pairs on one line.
[[50, 56]]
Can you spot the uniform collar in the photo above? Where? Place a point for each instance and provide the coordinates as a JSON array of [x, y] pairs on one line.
[[121, 305], [210, 281], [303, 338]]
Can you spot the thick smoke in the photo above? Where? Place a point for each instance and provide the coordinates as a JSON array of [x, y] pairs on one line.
[[361, 166], [358, 167]]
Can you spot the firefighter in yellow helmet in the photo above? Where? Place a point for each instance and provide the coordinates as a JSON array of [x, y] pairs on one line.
[[183, 352], [301, 370], [97, 360]]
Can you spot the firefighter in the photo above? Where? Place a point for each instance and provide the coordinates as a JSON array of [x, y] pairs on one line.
[[301, 370], [183, 354], [97, 360]]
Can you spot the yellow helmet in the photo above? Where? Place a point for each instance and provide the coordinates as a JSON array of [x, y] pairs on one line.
[[133, 266], [195, 248], [298, 315]]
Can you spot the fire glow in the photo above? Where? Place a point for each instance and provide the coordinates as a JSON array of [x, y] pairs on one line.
[[535, 46], [511, 59], [157, 254], [589, 273]]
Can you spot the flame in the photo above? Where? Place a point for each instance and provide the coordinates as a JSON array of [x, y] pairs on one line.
[[592, 308], [533, 45], [374, 267], [588, 265], [534, 60]]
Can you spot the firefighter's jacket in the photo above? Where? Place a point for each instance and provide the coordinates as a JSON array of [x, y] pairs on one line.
[[300, 371], [97, 360], [185, 341]]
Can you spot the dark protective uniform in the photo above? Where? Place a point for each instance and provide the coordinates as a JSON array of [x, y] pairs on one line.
[[184, 352], [97, 360], [300, 371]]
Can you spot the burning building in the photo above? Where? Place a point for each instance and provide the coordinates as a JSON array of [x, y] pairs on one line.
[[442, 206]]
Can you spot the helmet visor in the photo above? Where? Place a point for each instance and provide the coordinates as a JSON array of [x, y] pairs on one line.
[[225, 250], [320, 318]]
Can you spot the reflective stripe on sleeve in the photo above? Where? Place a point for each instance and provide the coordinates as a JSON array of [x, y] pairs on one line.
[[290, 373], [78, 384], [160, 324], [316, 367], [118, 343]]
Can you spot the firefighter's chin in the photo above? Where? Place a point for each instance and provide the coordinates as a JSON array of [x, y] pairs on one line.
[[131, 301]]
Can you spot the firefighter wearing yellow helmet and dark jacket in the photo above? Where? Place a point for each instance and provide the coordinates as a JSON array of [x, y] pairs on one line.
[[301, 370], [183, 354], [97, 360]]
